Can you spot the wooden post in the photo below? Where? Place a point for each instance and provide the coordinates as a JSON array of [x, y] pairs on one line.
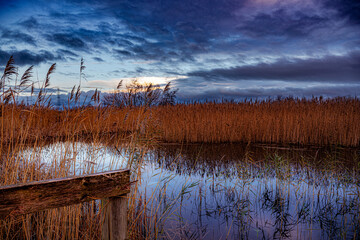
[[38, 196], [114, 218]]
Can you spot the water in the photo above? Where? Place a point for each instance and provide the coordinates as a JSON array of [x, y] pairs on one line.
[[230, 191]]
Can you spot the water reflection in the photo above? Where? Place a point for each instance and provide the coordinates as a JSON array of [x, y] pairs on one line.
[[257, 192], [229, 191]]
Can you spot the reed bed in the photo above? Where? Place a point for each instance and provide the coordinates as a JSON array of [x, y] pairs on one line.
[[289, 121], [295, 121]]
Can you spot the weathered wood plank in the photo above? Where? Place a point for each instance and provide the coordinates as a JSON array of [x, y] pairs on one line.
[[114, 218], [37, 196]]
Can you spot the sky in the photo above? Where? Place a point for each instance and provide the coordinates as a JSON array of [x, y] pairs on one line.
[[208, 49]]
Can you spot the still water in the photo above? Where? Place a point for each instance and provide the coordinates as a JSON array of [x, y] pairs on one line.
[[229, 191]]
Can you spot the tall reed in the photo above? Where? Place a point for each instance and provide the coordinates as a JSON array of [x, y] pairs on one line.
[[27, 130], [299, 121], [296, 121]]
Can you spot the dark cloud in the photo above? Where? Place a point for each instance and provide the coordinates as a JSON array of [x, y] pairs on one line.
[[328, 69], [183, 28], [30, 23], [165, 15], [17, 36], [6, 5], [98, 59], [149, 51], [273, 93], [123, 42], [178, 31], [66, 53], [122, 52], [68, 40], [114, 73], [133, 38], [349, 9], [172, 31], [96, 38], [26, 57], [202, 37], [282, 23]]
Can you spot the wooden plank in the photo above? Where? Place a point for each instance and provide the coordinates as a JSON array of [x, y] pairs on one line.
[[37, 196], [114, 218]]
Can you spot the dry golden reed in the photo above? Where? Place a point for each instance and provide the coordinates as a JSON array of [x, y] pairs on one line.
[[289, 121], [295, 121]]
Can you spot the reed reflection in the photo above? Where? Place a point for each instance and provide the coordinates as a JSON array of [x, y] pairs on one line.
[[262, 192]]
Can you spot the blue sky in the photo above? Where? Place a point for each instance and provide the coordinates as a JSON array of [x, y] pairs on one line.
[[209, 49]]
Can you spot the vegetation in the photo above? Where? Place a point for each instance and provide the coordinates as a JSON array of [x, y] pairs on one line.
[[136, 94], [131, 119], [296, 121], [151, 111], [314, 122]]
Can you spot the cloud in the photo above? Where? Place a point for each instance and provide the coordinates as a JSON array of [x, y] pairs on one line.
[[68, 40], [122, 52], [174, 32], [327, 69], [264, 93], [112, 83], [17, 36], [178, 32], [163, 31], [30, 23], [66, 53], [348, 9], [59, 97], [215, 41], [282, 23], [26, 57], [98, 59]]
